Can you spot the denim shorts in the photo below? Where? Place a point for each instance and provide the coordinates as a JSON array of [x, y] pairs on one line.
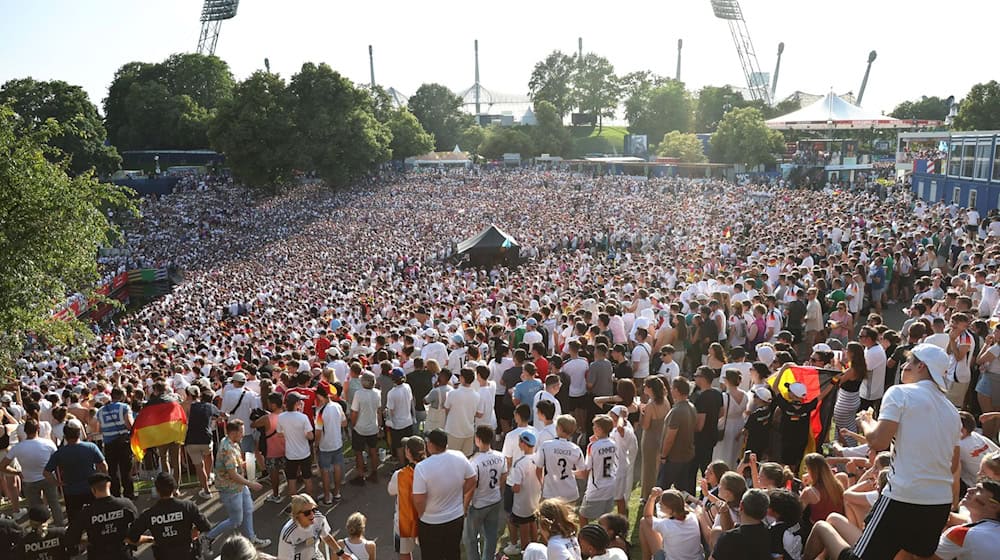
[[329, 459], [984, 385]]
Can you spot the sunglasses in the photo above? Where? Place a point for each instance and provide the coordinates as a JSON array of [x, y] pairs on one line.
[[308, 511]]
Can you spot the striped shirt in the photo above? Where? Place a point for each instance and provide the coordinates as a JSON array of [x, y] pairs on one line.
[[112, 419]]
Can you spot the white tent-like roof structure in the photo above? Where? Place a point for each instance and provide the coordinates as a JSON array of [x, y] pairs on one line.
[[832, 112]]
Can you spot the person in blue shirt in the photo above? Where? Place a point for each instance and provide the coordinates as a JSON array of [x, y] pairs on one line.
[[524, 392], [77, 460]]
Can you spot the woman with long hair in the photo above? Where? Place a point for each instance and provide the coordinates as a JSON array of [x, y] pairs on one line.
[[651, 419], [824, 494], [675, 521], [557, 525], [716, 358], [845, 410], [734, 404]]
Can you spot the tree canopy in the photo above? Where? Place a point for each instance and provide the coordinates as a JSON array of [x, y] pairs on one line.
[[683, 146], [549, 135], [81, 135], [595, 87], [930, 108], [742, 137], [503, 140], [166, 105], [713, 103], [51, 226], [552, 81], [440, 112], [408, 137], [660, 109], [980, 110]]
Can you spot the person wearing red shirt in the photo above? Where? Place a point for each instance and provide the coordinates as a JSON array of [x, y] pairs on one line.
[[541, 364], [308, 393], [322, 345]]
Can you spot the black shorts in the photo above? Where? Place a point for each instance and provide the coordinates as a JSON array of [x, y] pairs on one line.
[[361, 443], [518, 520], [584, 402], [504, 411], [892, 526], [508, 499], [300, 469], [396, 437]]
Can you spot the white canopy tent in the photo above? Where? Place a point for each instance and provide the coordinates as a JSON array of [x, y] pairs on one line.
[[832, 112]]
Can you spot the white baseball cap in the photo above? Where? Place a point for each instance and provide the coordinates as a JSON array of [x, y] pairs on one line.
[[936, 360], [798, 389]]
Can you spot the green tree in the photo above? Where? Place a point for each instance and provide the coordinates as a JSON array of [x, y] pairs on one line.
[[684, 146], [660, 110], [595, 88], [337, 133], [82, 135], [408, 137], [51, 226], [980, 110], [549, 135], [926, 108], [789, 105], [552, 81], [440, 112], [471, 138], [254, 128], [713, 103], [742, 137], [168, 104], [506, 140]]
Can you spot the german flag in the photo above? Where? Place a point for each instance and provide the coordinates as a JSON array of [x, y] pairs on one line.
[[815, 380], [156, 425]]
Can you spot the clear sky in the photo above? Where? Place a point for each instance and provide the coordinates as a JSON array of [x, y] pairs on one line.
[[826, 43]]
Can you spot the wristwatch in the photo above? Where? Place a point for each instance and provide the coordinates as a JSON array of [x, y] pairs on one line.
[[340, 553]]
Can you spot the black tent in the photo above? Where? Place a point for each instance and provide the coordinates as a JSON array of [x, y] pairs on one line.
[[489, 247]]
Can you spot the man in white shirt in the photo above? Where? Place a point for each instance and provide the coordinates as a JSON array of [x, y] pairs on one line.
[[462, 407], [330, 420], [923, 429], [552, 386], [482, 522], [298, 432], [365, 418], [432, 349], [440, 483], [973, 447], [239, 402], [873, 385], [960, 345], [33, 454], [399, 413]]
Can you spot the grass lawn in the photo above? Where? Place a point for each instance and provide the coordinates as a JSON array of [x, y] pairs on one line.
[[586, 140]]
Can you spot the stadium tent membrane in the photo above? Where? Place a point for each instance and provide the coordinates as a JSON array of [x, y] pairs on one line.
[[488, 247], [832, 112]]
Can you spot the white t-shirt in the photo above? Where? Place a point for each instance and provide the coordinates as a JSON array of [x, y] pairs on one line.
[[971, 451], [511, 450], [681, 538], [32, 454], [558, 458], [232, 397], [924, 444], [435, 477], [486, 401], [640, 356], [295, 425], [399, 406], [603, 466], [873, 385], [535, 551], [671, 370], [577, 369], [973, 541], [490, 468], [296, 542], [462, 404], [563, 548], [328, 424], [523, 473], [366, 403], [544, 395]]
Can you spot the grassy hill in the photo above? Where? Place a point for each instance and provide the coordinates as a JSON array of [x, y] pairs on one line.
[[586, 140]]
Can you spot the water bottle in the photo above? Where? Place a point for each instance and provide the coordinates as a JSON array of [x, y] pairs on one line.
[[381, 455]]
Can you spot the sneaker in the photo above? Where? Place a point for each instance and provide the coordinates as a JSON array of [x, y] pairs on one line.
[[261, 543], [204, 495], [209, 543], [327, 501], [512, 550], [337, 498], [273, 499]]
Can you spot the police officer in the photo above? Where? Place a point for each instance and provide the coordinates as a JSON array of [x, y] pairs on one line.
[[115, 419], [106, 521], [42, 542], [172, 522]]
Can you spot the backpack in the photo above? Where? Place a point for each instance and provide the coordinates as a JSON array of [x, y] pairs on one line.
[[740, 327]]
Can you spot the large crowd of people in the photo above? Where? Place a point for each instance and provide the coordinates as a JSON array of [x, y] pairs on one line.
[[637, 351]]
